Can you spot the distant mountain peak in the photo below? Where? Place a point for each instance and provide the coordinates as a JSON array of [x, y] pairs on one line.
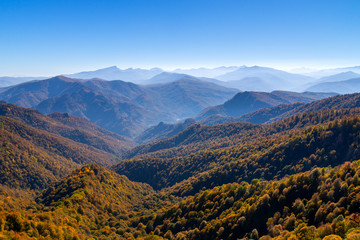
[[248, 101], [112, 67], [62, 78], [156, 69], [115, 73]]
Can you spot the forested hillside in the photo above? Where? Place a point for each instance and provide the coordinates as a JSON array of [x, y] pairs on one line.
[[296, 178], [269, 115], [118, 106], [246, 102], [320, 203], [36, 150], [90, 202], [224, 120], [269, 151], [68, 126]]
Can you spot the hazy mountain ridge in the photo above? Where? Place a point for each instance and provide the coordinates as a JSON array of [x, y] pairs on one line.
[[114, 73], [246, 102], [183, 143], [71, 127], [254, 78], [186, 97], [163, 130], [263, 79], [207, 72], [331, 71], [122, 107], [339, 77], [336, 102], [276, 113], [258, 116], [230, 158], [33, 158], [351, 85], [10, 81], [262, 115]]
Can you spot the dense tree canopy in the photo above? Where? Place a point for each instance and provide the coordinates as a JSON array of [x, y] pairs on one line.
[[297, 178]]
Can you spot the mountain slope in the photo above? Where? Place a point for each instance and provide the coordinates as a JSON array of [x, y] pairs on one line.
[[186, 97], [263, 79], [339, 77], [163, 130], [238, 180], [336, 102], [207, 72], [235, 106], [319, 204], [343, 87], [98, 182], [329, 108], [91, 202], [168, 77], [332, 71], [34, 155], [246, 102], [68, 126], [269, 115], [25, 165], [114, 73], [124, 118], [223, 156], [322, 145], [262, 115], [121, 107], [32, 93], [194, 138]]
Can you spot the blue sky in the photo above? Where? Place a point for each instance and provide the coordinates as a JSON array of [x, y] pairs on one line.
[[49, 37]]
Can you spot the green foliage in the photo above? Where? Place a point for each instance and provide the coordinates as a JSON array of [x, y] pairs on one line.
[[293, 179], [90, 202], [270, 151], [315, 204], [68, 126], [36, 150]]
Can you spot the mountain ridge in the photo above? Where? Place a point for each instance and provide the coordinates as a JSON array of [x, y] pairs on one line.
[[122, 107], [246, 102]]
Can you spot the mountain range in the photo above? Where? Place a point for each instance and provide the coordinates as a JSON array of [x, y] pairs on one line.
[[128, 109], [263, 79], [343, 76], [351, 85], [207, 72], [200, 148], [255, 78], [331, 71], [114, 73], [36, 149], [295, 176], [245, 102], [163, 131], [122, 107]]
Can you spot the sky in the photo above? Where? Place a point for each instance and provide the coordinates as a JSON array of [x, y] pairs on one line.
[[51, 37]]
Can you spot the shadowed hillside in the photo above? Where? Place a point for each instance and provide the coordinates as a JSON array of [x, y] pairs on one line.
[[122, 107], [246, 102]]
